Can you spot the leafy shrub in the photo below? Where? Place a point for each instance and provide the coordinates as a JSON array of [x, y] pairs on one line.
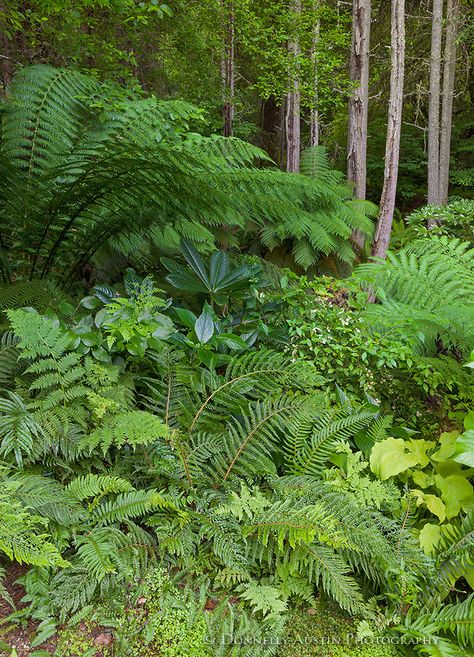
[[456, 219], [325, 321]]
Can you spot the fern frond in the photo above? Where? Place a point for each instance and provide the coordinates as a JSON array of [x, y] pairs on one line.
[[130, 428], [313, 435]]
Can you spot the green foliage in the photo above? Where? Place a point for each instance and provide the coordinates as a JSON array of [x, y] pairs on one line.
[[426, 291], [218, 282], [322, 628], [23, 536], [132, 428], [454, 219], [245, 474], [158, 621], [326, 321], [324, 230], [80, 176]]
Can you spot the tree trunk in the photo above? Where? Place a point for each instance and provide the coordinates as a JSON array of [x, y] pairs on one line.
[[314, 117], [434, 103], [452, 19], [228, 67], [394, 124], [293, 136], [359, 103]]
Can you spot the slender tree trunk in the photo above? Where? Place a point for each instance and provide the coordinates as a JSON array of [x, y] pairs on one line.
[[314, 117], [452, 20], [359, 103], [394, 125], [434, 102], [293, 101], [228, 67]]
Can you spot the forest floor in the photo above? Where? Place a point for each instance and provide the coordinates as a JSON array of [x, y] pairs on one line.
[[18, 636]]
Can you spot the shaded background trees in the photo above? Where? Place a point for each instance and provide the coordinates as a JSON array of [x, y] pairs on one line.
[[246, 63]]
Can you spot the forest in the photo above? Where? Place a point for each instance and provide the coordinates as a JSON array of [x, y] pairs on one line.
[[236, 328]]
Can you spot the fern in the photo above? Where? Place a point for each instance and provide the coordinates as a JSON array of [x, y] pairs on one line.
[[93, 485], [313, 436], [426, 291], [23, 536], [73, 183], [9, 365], [18, 427], [455, 620], [131, 428]]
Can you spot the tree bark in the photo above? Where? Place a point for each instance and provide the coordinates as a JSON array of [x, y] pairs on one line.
[[434, 103], [293, 101], [452, 20], [359, 103], [228, 68], [314, 117], [394, 124]]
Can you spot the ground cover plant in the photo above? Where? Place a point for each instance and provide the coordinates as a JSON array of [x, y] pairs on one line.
[[210, 452]]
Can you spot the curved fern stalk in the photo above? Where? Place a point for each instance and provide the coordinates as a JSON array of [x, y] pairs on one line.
[[253, 375], [249, 441]]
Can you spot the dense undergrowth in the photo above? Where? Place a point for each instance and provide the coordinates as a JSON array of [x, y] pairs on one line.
[[195, 455]]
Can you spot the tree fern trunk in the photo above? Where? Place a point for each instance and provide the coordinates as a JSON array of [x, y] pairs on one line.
[[452, 21], [392, 148], [359, 103]]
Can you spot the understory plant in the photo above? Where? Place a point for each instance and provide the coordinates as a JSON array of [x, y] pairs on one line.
[[245, 474]]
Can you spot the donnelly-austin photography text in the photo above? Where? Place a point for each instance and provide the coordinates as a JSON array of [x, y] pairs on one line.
[[347, 639]]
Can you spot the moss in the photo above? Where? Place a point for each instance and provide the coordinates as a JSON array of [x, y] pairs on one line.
[[159, 623], [325, 631], [80, 641]]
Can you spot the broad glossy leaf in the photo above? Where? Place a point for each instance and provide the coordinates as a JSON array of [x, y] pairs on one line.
[[137, 346], [194, 260], [238, 277], [394, 455], [90, 302], [465, 449], [182, 279], [164, 328], [429, 537], [232, 341], [218, 269], [186, 317], [204, 327], [456, 492]]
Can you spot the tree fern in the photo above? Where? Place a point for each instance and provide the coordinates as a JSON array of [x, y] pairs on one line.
[[73, 183]]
